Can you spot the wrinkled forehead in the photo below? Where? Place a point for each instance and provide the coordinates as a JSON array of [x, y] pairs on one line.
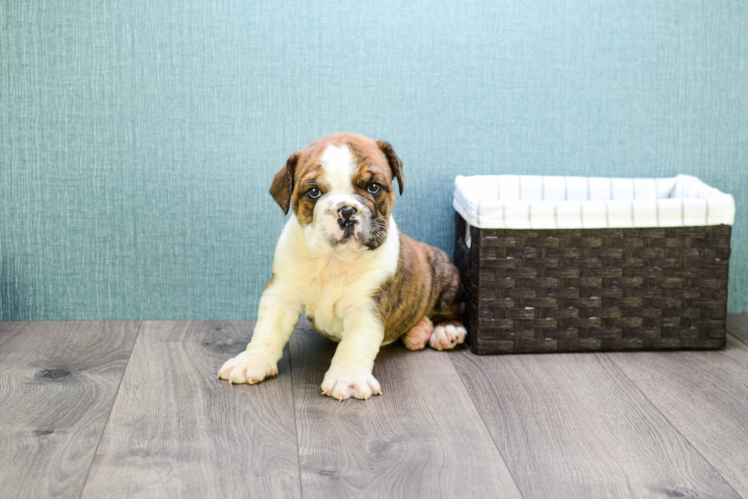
[[337, 165]]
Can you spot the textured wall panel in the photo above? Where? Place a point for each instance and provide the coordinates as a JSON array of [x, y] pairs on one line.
[[138, 139]]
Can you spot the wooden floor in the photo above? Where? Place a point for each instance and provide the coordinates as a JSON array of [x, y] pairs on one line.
[[133, 409]]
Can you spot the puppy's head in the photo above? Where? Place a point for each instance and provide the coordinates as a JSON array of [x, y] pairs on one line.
[[340, 188]]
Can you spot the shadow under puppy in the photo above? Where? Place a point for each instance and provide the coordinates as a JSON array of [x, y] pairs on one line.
[[342, 261]]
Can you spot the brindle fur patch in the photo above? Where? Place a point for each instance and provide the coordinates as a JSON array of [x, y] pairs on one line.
[[426, 285]]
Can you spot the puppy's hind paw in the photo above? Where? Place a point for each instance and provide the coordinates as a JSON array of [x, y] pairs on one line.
[[249, 367], [419, 335], [447, 335]]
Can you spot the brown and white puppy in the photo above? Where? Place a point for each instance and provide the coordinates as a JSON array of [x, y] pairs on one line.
[[342, 261]]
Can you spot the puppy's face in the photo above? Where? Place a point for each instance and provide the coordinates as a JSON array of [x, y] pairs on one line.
[[341, 190]]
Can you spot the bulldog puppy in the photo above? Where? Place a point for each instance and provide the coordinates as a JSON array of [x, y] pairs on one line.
[[343, 263]]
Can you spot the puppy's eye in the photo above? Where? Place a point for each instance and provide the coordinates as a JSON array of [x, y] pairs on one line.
[[314, 193], [374, 188]]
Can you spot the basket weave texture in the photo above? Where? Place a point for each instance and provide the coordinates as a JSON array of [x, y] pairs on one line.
[[562, 290]]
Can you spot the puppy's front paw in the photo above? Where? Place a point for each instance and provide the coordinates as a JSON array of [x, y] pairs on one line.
[[342, 383], [249, 367], [447, 336]]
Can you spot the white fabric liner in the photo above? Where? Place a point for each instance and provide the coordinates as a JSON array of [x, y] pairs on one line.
[[546, 202]]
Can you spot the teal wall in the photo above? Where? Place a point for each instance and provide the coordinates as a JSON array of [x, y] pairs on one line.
[[138, 139]]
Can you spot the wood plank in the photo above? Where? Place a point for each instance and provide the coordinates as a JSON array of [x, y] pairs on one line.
[[176, 431], [422, 438], [58, 381], [571, 425], [737, 324], [705, 395]]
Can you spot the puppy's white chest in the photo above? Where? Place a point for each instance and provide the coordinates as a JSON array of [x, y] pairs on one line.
[[333, 296], [331, 288], [325, 319]]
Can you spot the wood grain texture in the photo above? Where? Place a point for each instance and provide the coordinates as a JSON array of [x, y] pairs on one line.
[[422, 438], [705, 396], [737, 324], [176, 431], [58, 381], [572, 425]]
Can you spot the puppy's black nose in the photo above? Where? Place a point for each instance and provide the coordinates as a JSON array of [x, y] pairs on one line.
[[345, 215]]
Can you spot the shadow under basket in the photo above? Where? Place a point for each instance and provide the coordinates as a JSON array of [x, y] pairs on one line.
[[558, 290]]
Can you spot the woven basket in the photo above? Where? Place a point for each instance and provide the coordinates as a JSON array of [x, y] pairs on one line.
[[593, 289]]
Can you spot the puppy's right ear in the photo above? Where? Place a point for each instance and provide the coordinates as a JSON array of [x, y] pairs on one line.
[[282, 186]]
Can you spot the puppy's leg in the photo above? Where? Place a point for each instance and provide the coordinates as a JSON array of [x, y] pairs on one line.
[[447, 335], [275, 323], [419, 335], [350, 370]]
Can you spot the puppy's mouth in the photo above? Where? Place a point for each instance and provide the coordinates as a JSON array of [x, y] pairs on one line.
[[346, 233], [347, 226]]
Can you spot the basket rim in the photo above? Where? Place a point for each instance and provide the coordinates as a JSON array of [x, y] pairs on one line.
[[681, 201]]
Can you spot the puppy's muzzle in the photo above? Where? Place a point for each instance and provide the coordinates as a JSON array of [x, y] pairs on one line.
[[347, 218]]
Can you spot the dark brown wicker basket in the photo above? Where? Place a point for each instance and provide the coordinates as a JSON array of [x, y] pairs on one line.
[[562, 290]]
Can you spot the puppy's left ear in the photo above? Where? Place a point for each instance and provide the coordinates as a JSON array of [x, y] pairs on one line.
[[282, 186], [395, 164]]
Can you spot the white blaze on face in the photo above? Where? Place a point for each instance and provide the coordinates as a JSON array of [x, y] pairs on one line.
[[337, 162], [339, 168]]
